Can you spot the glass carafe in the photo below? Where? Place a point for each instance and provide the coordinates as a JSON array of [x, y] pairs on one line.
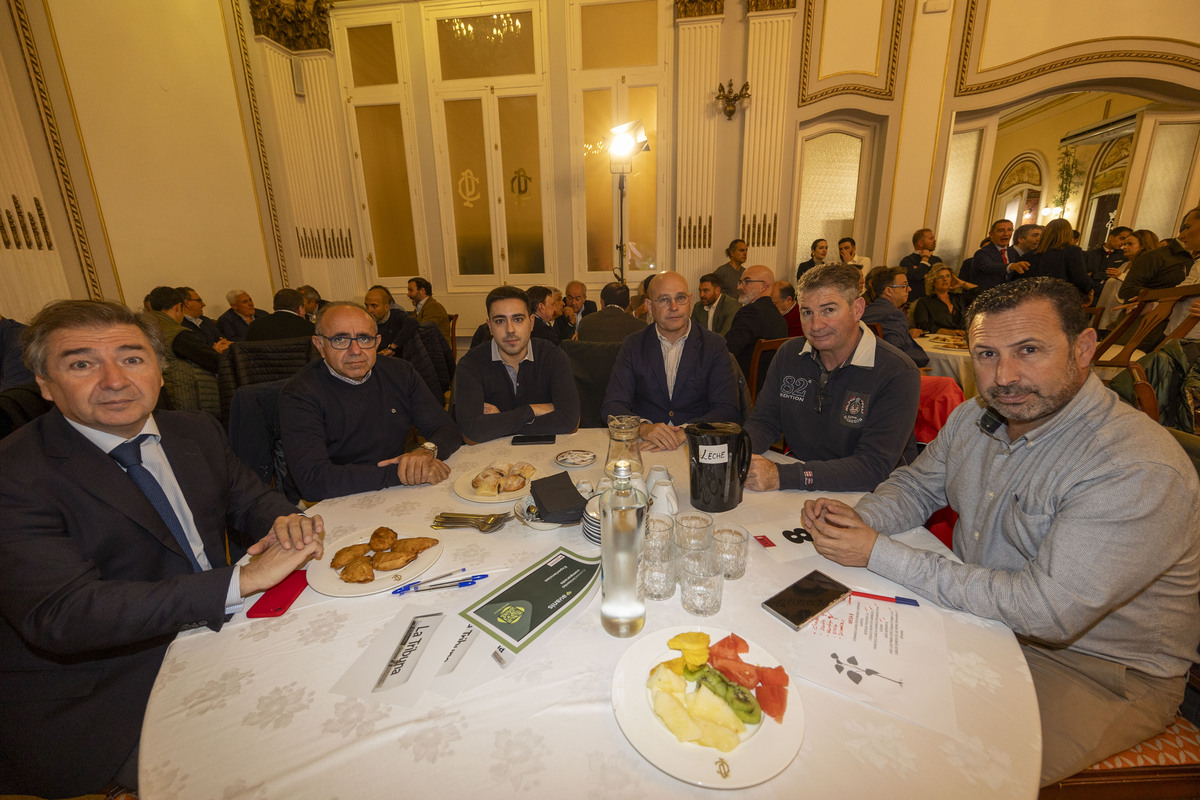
[[623, 444]]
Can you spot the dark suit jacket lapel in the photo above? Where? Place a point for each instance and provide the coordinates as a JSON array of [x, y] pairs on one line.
[[186, 457], [652, 358], [97, 474]]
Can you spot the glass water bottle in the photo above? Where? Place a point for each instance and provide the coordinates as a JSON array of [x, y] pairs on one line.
[[622, 532]]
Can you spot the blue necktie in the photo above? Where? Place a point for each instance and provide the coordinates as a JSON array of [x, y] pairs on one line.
[[129, 456]]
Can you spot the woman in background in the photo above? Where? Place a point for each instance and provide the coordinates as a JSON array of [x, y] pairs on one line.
[[1057, 257], [945, 302], [817, 253], [1135, 244]]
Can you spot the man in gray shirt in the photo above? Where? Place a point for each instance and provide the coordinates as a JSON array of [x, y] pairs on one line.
[[1079, 527]]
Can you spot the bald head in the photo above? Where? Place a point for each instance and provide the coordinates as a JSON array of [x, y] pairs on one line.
[[755, 283], [670, 304]]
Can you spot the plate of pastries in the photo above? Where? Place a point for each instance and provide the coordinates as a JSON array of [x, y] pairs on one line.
[[499, 482], [370, 561]]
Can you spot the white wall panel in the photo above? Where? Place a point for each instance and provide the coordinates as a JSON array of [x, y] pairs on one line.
[[699, 59]]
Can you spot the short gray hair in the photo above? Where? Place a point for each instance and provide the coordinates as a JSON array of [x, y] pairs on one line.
[[75, 314], [328, 307], [232, 295], [839, 277]]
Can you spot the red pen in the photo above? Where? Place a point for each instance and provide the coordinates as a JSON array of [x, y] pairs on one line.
[[904, 601]]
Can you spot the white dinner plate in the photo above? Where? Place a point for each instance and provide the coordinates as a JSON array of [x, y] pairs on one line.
[[766, 748], [464, 489], [324, 578]]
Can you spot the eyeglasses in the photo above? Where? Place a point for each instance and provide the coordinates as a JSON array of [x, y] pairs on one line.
[[743, 281], [366, 341], [666, 301], [903, 286]]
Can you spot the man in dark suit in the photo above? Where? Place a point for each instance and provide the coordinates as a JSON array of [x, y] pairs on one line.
[[673, 372], [758, 318], [613, 322], [920, 261], [890, 285], [716, 310], [193, 318], [234, 322], [113, 542], [286, 322], [1104, 255], [992, 262], [576, 306], [547, 307]]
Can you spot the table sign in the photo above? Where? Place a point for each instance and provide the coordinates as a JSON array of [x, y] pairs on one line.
[[520, 611]]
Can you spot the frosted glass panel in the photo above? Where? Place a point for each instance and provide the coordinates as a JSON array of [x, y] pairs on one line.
[[954, 219], [1170, 163], [372, 55], [487, 46], [828, 191], [598, 181], [381, 146], [523, 184], [468, 170], [641, 186], [620, 35]]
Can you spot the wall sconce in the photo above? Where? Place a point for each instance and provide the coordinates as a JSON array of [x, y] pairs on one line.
[[727, 101]]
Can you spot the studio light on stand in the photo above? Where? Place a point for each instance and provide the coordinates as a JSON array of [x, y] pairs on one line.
[[628, 139]]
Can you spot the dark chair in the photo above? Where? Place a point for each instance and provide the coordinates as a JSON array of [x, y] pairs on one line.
[[745, 403], [454, 335], [591, 365], [760, 359], [19, 405], [260, 362]]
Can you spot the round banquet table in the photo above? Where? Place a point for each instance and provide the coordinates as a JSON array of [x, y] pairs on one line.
[[248, 711], [952, 363]]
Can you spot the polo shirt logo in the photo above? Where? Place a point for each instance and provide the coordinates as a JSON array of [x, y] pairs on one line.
[[795, 388], [854, 409]]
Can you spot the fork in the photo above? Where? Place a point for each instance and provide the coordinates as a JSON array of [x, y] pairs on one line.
[[479, 525], [484, 518]]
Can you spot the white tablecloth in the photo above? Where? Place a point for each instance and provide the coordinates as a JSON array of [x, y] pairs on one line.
[[952, 364], [247, 712]]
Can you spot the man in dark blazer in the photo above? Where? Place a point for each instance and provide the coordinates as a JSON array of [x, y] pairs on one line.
[[193, 318], [758, 318], [234, 322], [673, 372], [890, 285], [93, 582], [576, 306], [286, 322], [613, 322], [716, 310], [992, 262]]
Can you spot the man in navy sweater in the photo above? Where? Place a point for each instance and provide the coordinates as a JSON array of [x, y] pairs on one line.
[[512, 384], [344, 420]]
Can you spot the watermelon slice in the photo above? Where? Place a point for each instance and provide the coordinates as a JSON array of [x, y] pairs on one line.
[[736, 670], [773, 700], [730, 647], [773, 676]]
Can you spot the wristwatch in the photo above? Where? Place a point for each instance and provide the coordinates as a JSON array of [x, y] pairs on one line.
[[431, 447]]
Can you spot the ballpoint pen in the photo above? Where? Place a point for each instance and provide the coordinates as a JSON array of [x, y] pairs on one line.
[[411, 584], [451, 585], [904, 601]]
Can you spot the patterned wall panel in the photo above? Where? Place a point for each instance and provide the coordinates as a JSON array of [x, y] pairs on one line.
[[766, 133], [698, 59], [880, 86]]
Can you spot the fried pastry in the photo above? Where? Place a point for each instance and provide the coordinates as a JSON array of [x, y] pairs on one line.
[[489, 487], [485, 477], [503, 467], [512, 483], [358, 571], [383, 538], [389, 560], [347, 554], [522, 468], [416, 545]]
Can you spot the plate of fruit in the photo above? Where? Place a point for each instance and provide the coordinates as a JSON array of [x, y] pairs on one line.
[[708, 707]]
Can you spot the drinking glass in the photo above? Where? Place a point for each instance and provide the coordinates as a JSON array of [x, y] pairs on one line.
[[701, 580], [693, 531], [659, 526], [732, 544], [660, 568]]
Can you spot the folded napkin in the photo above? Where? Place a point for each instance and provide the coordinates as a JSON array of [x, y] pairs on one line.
[[557, 499]]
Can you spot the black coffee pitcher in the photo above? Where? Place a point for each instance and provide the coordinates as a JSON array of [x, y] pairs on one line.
[[718, 462]]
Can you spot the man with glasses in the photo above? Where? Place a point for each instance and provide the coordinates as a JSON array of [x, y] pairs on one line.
[[891, 288], [344, 419], [673, 372], [576, 306], [758, 318], [194, 319], [844, 401]]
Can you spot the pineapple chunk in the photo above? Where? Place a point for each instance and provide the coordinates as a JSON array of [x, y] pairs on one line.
[[713, 735], [664, 680], [704, 705], [675, 717]]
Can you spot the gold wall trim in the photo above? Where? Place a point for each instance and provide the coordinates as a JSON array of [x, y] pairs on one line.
[[963, 88], [62, 171], [769, 5], [1025, 171], [260, 141], [885, 92], [297, 25], [686, 9]]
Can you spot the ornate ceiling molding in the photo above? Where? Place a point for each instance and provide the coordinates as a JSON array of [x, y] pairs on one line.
[[687, 9], [293, 24], [968, 71], [62, 171], [885, 90], [1025, 171]]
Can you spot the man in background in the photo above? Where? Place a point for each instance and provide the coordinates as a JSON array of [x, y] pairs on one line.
[[758, 318], [547, 307], [312, 301], [783, 295], [848, 251], [1105, 255], [576, 306], [890, 285], [287, 321], [234, 323], [425, 308], [920, 261], [992, 261], [716, 310], [613, 322], [1026, 238], [193, 318]]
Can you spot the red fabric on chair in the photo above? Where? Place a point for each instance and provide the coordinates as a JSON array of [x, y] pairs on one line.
[[941, 525], [939, 396]]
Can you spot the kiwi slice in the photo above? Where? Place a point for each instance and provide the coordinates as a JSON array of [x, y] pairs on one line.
[[690, 674], [715, 681], [744, 704]]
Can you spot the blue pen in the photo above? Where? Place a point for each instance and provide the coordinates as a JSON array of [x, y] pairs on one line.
[[904, 601], [416, 585], [456, 585]]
